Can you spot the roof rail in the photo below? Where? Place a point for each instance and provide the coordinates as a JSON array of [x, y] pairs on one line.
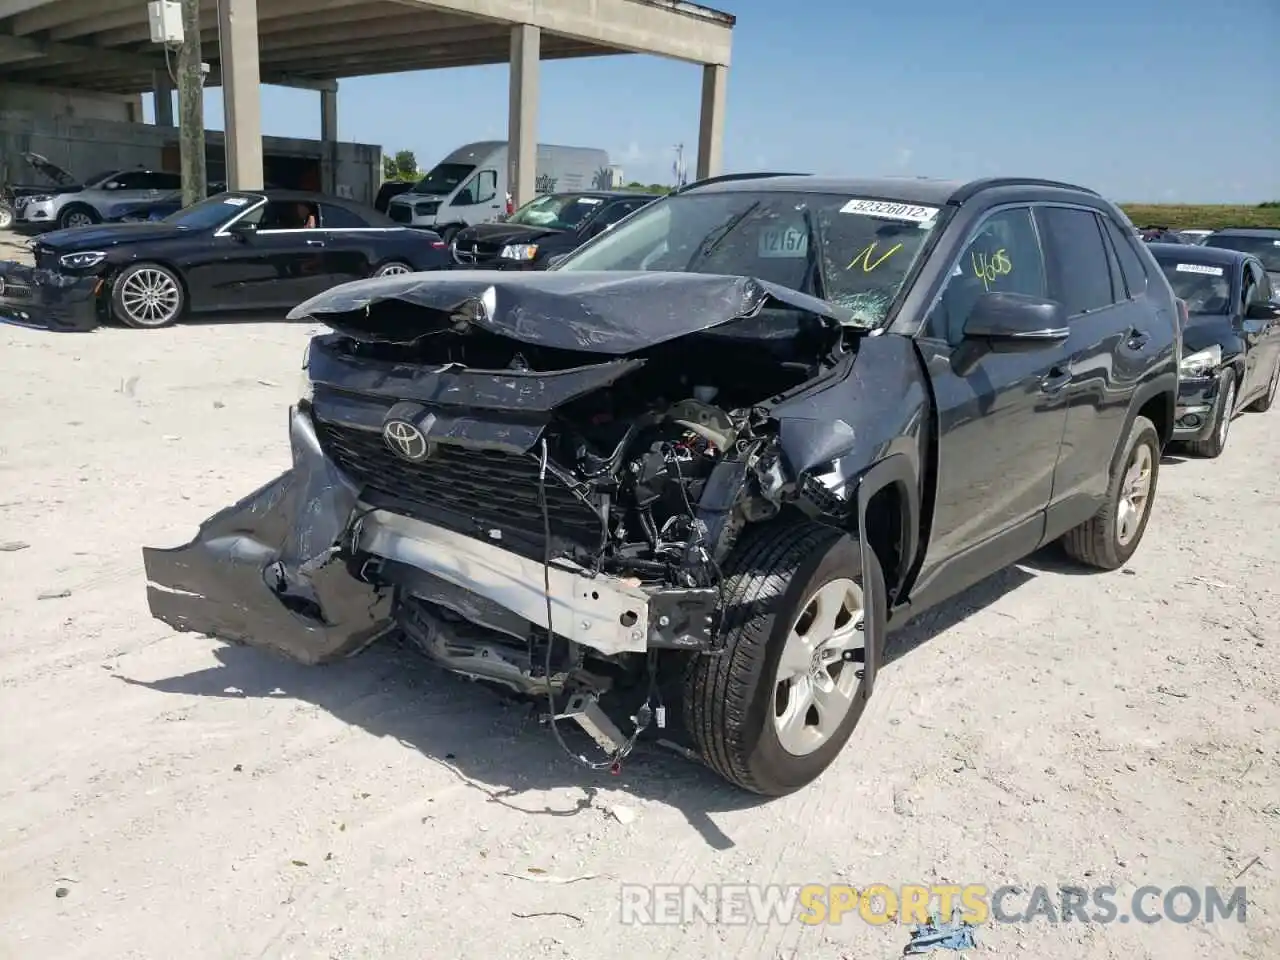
[[990, 183], [730, 177]]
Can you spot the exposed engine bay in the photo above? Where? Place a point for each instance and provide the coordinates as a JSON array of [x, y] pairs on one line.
[[537, 502]]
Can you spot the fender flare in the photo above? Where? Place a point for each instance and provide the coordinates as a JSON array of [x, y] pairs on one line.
[[894, 470], [1166, 383]]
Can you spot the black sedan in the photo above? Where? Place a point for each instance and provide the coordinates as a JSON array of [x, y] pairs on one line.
[[1231, 343], [242, 251], [545, 227]]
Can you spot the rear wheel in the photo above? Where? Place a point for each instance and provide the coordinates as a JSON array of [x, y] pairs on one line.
[[775, 709], [393, 268], [1263, 404], [1213, 445], [6, 216], [77, 215], [147, 295], [1108, 539]]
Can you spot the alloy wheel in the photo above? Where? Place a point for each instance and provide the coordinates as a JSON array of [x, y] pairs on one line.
[[815, 685], [1135, 491], [393, 270], [150, 297], [78, 219]]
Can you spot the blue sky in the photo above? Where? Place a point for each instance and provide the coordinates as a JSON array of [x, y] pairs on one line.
[[1172, 101]]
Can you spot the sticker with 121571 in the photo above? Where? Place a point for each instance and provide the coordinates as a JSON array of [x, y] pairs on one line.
[[783, 242]]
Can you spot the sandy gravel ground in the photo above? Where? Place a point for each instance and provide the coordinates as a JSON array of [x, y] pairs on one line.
[[164, 795]]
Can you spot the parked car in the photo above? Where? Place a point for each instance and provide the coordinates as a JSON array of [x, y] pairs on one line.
[[246, 250], [1230, 345], [1261, 242], [14, 195], [544, 228], [714, 454], [469, 185], [82, 205], [1161, 235], [389, 189]]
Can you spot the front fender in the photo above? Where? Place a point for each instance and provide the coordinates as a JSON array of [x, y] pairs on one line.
[[269, 570]]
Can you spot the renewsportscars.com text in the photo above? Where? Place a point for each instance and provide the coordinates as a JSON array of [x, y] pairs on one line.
[[880, 904]]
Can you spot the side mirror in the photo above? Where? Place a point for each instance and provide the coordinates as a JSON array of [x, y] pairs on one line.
[[1016, 322], [242, 230], [1266, 312]]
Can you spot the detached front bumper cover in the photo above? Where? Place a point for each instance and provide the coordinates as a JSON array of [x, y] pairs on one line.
[[31, 297]]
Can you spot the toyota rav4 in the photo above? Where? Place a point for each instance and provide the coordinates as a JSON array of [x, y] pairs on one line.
[[701, 467]]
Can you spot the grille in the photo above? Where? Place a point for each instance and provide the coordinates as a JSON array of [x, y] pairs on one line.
[[468, 252], [400, 213], [493, 488]]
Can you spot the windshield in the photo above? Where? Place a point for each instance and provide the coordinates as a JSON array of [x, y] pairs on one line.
[[853, 252], [1265, 248], [443, 179], [1203, 287], [559, 211], [209, 213]]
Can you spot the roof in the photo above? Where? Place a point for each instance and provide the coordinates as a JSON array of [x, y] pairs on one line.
[[304, 196], [922, 190], [1192, 253]]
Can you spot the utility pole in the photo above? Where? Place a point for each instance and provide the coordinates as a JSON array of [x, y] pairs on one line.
[[679, 165], [191, 106]]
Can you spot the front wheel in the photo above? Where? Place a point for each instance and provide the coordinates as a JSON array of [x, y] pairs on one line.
[[77, 215], [393, 268], [147, 295], [6, 216], [775, 708], [1263, 404], [1109, 538], [1213, 445]]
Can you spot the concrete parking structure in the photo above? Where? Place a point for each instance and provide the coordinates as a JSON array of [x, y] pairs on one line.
[[104, 45]]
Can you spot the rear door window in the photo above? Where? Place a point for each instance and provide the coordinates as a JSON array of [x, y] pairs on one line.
[[1132, 272], [1079, 267]]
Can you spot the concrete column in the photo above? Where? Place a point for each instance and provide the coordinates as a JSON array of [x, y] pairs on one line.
[[522, 121], [242, 105], [329, 115], [162, 89], [711, 122]]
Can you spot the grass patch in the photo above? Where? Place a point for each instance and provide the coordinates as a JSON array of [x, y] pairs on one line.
[[1203, 216]]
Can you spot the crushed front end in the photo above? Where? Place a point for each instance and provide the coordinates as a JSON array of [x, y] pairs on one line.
[[537, 493]]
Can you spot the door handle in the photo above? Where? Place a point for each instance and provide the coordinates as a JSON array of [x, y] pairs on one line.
[[315, 243], [1137, 339], [1055, 380]]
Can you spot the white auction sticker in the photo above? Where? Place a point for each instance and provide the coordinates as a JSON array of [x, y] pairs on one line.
[[590, 201], [236, 201], [887, 210], [1203, 268]]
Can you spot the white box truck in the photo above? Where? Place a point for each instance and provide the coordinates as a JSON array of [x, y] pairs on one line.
[[470, 185]]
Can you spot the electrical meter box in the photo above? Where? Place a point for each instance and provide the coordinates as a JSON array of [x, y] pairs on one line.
[[165, 20]]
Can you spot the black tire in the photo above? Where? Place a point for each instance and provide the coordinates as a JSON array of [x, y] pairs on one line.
[[1097, 542], [729, 699], [121, 307], [1263, 403], [1213, 445], [70, 211]]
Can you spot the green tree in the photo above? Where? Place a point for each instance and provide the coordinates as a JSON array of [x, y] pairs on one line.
[[403, 166]]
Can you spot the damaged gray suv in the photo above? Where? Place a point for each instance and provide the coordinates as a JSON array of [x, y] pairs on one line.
[[690, 477]]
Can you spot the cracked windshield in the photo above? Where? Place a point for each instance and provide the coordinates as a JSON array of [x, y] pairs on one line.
[[854, 252]]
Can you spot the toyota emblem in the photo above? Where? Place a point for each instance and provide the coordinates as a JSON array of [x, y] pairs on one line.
[[405, 440]]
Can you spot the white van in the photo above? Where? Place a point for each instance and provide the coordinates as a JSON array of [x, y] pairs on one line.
[[470, 185]]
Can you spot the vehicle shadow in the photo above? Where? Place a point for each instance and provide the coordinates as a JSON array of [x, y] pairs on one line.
[[496, 745]]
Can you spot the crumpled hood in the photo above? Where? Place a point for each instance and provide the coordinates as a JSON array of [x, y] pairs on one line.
[[1203, 330], [613, 312], [504, 233]]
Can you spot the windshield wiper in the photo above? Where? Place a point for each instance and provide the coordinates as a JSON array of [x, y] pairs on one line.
[[718, 236]]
